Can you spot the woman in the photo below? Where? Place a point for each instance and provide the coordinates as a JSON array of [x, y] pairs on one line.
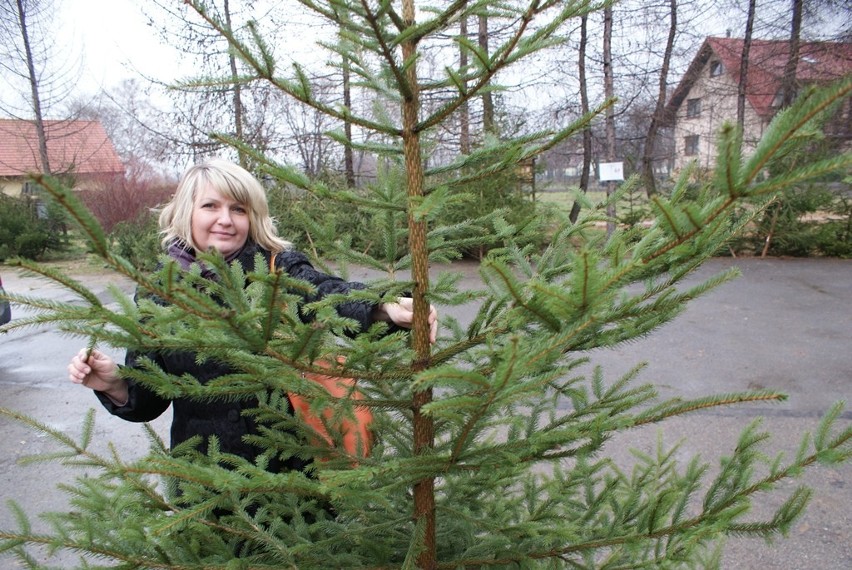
[[219, 205]]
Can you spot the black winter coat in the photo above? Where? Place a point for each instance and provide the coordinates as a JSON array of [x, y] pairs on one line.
[[225, 420]]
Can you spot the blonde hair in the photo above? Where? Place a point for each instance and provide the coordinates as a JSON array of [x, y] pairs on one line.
[[231, 181]]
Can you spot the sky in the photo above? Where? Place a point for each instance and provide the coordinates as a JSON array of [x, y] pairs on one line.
[[115, 41]]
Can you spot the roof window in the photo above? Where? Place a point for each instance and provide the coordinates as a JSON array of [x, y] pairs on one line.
[[716, 68]]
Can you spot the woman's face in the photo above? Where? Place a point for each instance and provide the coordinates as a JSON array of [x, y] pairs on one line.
[[219, 222]]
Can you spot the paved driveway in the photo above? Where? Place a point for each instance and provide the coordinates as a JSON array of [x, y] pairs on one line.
[[785, 325]]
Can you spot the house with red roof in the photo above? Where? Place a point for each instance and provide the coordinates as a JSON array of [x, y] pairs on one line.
[[79, 149], [706, 97]]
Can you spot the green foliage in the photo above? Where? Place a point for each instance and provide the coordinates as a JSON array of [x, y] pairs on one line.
[[30, 228], [496, 200], [335, 225], [815, 220], [324, 225], [137, 241], [795, 224], [633, 209], [804, 219], [834, 234]]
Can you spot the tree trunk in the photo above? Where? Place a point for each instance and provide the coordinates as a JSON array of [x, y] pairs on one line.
[[789, 81], [659, 110], [584, 104], [237, 95], [744, 58], [487, 102], [464, 110], [424, 429], [34, 92], [609, 92], [348, 159]]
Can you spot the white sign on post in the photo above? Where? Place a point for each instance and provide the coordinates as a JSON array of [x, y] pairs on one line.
[[609, 171]]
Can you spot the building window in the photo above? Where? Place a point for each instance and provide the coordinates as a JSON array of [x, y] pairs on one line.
[[693, 107], [716, 68], [29, 189], [691, 145]]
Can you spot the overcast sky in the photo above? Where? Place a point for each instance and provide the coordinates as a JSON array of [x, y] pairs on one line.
[[116, 42]]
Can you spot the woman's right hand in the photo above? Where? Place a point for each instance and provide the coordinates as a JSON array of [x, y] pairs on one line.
[[98, 372]]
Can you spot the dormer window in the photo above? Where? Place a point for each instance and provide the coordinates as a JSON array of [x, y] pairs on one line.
[[716, 68]]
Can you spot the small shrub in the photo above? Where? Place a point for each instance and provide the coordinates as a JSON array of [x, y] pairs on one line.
[[32, 244], [498, 193], [30, 228], [327, 228], [138, 241], [320, 226], [113, 200], [804, 222], [838, 230]]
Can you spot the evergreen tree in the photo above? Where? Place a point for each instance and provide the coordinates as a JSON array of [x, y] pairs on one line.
[[490, 445]]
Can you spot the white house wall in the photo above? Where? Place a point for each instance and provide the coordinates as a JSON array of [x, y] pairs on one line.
[[718, 97], [11, 187]]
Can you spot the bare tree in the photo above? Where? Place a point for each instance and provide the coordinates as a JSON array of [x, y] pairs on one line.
[[127, 114], [609, 93], [788, 82], [827, 20], [650, 43], [464, 110], [307, 127], [27, 56], [815, 20], [348, 158], [237, 87], [488, 124], [744, 60], [584, 109], [218, 101], [657, 117]]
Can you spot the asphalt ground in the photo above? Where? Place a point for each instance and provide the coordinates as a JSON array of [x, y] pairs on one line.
[[784, 325]]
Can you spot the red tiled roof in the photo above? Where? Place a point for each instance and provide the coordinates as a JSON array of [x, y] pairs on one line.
[[80, 147], [819, 62]]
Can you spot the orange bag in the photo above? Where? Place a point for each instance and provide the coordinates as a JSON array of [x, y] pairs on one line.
[[353, 431]]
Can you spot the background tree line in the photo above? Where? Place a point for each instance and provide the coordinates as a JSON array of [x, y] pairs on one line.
[[158, 126], [491, 443]]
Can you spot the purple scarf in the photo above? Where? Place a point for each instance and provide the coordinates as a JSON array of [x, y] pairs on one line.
[[185, 256]]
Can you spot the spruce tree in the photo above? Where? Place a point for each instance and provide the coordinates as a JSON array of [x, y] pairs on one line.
[[491, 445]]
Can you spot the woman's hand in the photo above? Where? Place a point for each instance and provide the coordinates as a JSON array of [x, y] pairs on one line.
[[98, 372], [401, 313]]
